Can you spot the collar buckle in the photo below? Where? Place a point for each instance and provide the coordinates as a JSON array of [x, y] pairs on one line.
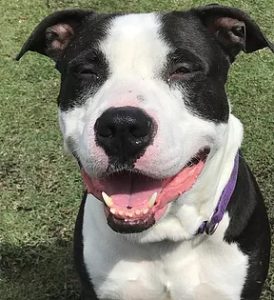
[[211, 228]]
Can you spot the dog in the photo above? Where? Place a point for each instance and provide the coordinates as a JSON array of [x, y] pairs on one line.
[[171, 209]]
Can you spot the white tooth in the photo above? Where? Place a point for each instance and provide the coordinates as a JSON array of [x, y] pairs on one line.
[[113, 210], [121, 213], [145, 211], [152, 200], [107, 199], [129, 214]]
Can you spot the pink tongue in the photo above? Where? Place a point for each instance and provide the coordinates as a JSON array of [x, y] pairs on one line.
[[130, 189], [134, 190]]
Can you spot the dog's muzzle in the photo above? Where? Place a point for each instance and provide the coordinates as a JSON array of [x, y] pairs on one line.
[[133, 202]]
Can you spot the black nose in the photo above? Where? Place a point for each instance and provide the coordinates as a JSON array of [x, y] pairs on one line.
[[124, 132]]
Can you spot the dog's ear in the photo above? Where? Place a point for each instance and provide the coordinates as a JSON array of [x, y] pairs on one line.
[[234, 29], [54, 33]]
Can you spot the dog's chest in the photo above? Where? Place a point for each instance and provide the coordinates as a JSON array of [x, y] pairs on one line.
[[195, 270]]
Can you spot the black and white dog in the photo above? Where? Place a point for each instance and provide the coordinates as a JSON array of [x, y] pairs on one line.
[[143, 109]]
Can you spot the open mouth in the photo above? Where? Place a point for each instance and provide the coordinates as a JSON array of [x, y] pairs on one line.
[[134, 201]]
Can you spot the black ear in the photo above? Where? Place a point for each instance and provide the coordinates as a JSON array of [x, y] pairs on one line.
[[234, 29], [54, 33]]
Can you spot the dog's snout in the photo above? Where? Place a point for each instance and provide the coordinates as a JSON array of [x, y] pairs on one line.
[[124, 132]]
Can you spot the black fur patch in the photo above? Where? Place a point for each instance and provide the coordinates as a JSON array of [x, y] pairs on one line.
[[249, 228], [87, 288], [194, 45], [83, 66]]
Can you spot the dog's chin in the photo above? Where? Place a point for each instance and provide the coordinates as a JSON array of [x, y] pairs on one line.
[[134, 202], [130, 226]]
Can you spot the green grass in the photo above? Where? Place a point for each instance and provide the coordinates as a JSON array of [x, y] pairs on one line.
[[41, 187]]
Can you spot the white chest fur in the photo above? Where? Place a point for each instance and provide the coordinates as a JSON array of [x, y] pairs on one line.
[[200, 269]]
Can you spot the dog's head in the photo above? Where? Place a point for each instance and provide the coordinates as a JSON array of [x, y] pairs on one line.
[[142, 103]]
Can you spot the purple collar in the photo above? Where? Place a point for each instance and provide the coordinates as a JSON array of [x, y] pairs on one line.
[[209, 227]]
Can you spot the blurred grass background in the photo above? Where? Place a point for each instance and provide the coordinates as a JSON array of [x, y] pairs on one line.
[[40, 186]]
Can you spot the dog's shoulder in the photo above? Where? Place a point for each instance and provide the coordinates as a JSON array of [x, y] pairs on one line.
[[246, 209], [249, 228]]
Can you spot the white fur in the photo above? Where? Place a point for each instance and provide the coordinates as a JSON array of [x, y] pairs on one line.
[[183, 270]]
